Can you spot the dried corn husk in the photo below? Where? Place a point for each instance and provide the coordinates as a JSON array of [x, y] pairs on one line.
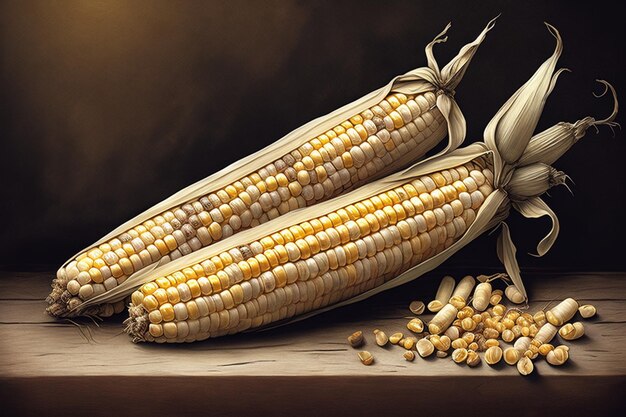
[[552, 143], [426, 79], [527, 103]]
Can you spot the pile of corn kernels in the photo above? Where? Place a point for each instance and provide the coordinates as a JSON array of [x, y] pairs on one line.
[[467, 324]]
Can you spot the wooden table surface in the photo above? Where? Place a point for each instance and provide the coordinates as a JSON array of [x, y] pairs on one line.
[[53, 367]]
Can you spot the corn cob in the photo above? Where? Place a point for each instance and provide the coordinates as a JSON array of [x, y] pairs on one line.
[[374, 238], [335, 161], [316, 263], [319, 161]]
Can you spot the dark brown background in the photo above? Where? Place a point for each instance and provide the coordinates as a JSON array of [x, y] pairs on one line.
[[107, 108]]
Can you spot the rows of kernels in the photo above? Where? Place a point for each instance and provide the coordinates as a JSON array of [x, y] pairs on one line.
[[319, 262], [333, 162]]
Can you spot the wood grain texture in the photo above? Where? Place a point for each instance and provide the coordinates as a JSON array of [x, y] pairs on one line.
[[52, 367]]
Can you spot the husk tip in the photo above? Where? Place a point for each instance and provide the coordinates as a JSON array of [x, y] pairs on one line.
[[554, 31], [557, 35], [610, 120], [492, 22], [442, 36]]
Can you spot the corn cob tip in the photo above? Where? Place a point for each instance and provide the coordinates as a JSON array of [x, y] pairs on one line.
[[55, 309], [57, 300], [136, 325], [62, 304], [59, 296]]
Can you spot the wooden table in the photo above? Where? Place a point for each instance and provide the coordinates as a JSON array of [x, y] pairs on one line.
[[50, 367]]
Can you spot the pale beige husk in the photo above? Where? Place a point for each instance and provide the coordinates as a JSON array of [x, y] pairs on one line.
[[527, 103], [420, 80]]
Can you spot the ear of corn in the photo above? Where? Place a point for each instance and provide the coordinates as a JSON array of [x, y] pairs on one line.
[[380, 236], [378, 134], [312, 264]]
